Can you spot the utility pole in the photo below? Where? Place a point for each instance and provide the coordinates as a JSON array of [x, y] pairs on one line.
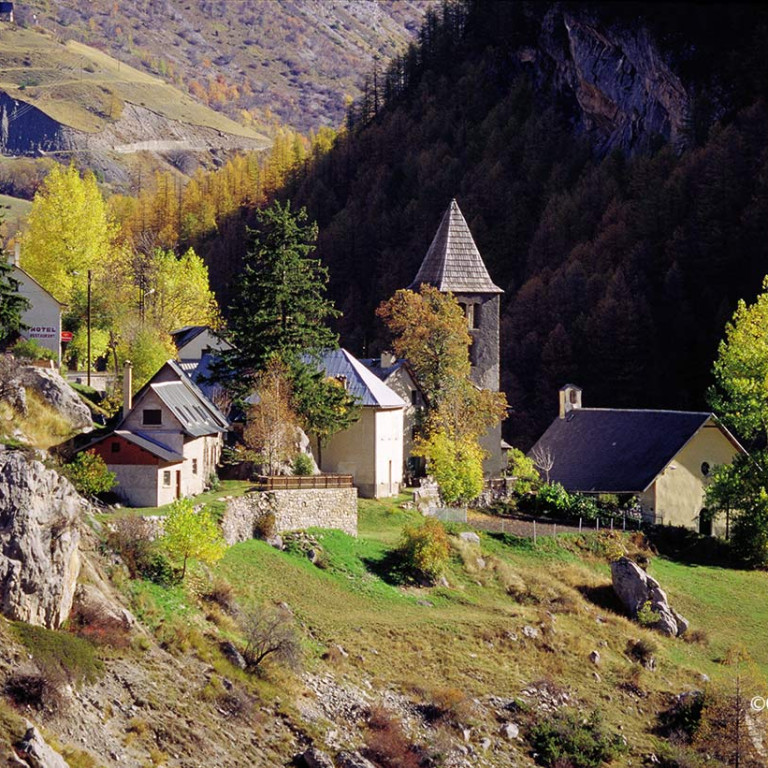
[[88, 326]]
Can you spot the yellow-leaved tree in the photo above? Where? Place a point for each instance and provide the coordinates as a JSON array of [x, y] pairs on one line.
[[69, 231]]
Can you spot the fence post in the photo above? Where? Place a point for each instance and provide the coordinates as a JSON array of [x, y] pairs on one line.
[[624, 521], [597, 523], [502, 525], [579, 525], [554, 529], [611, 523], [534, 531]]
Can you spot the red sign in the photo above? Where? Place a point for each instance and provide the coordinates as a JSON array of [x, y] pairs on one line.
[[66, 335]]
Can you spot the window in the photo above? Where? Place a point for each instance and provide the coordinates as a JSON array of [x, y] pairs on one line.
[[115, 447], [705, 468], [415, 399], [152, 416], [166, 478], [475, 317], [194, 466]]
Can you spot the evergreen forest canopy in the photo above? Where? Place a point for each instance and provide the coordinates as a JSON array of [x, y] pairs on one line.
[[620, 270]]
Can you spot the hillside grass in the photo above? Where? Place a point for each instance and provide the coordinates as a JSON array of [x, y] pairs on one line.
[[85, 88], [42, 427]]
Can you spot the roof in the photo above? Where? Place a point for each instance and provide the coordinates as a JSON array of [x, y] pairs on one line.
[[360, 382], [196, 413], [374, 365], [604, 450], [453, 262], [182, 336], [200, 372], [142, 440]]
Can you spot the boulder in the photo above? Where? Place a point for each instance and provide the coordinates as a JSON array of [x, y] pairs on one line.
[[39, 537], [37, 753], [469, 536], [594, 657], [50, 385], [352, 760], [635, 588], [510, 731], [315, 758]]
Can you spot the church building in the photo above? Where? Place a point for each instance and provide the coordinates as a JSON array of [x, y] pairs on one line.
[[453, 263]]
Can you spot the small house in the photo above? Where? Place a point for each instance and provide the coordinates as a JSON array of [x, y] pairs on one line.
[[371, 450], [663, 457], [194, 341], [397, 375], [42, 317], [6, 12], [168, 442]]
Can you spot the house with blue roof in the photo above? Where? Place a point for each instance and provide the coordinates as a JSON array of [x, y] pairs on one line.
[[168, 442], [371, 450]]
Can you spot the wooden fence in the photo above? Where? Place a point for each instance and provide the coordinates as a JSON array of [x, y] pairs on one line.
[[301, 482]]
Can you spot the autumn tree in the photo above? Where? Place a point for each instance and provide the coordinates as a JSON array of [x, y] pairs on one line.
[[270, 429], [191, 534]]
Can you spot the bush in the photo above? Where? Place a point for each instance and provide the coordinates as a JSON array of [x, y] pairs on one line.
[[89, 474], [646, 616], [94, 623], [642, 651], [523, 471], [270, 634], [302, 465], [222, 593], [564, 739], [749, 535], [386, 742], [40, 689], [213, 483], [264, 526], [30, 349], [131, 538], [425, 549], [553, 499]]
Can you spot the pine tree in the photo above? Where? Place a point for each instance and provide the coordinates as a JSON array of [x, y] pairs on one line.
[[12, 304]]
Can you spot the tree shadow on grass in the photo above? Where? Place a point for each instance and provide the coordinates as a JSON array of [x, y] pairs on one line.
[[390, 568]]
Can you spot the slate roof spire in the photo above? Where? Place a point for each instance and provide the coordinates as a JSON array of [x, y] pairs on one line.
[[453, 262]]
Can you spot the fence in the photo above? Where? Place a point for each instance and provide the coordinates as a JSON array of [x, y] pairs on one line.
[[301, 482], [448, 514]]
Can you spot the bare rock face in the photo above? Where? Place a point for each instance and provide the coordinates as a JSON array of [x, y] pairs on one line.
[[635, 588], [39, 537], [58, 394], [37, 753]]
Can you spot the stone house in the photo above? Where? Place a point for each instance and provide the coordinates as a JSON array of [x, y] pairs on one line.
[[371, 450], [663, 457], [453, 264], [167, 444], [43, 315], [397, 375]]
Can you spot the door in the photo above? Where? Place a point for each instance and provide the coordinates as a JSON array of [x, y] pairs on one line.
[[178, 483], [705, 522]]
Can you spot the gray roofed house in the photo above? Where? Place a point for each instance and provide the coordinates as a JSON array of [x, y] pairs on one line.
[[194, 341], [371, 449], [663, 457], [453, 262]]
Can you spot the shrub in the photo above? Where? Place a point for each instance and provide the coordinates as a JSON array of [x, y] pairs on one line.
[[523, 471], [564, 739], [38, 688], [264, 526], [131, 538], [646, 616], [302, 465], [425, 549], [553, 499], [30, 349], [749, 535], [222, 593], [89, 474], [584, 506], [99, 626], [270, 633], [642, 650], [213, 483], [386, 742]]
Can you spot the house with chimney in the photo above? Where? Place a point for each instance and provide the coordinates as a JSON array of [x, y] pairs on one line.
[[664, 458], [371, 449], [453, 264], [168, 442]]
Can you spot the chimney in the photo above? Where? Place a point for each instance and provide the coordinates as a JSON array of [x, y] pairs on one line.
[[387, 359], [16, 258], [570, 399], [127, 387]]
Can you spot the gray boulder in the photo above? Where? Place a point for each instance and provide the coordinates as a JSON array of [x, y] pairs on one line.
[[39, 537], [314, 758], [37, 753], [352, 760], [469, 536], [49, 384], [635, 588]]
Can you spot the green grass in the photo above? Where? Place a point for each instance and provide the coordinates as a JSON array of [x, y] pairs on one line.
[[86, 89], [14, 211]]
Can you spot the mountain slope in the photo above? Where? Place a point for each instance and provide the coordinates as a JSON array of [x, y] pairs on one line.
[[615, 189], [296, 59]]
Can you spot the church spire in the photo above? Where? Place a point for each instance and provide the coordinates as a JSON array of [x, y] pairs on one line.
[[453, 262]]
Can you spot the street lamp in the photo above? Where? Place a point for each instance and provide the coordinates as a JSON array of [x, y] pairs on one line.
[[88, 327]]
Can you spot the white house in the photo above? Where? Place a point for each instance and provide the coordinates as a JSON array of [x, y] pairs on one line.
[[168, 442], [371, 450], [194, 341], [397, 375], [43, 315]]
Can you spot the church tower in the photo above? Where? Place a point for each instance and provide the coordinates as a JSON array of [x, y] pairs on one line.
[[454, 264]]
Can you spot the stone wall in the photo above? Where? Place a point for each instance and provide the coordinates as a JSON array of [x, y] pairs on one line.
[[293, 510]]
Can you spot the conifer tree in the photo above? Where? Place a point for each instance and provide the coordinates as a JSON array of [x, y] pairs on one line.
[[12, 304]]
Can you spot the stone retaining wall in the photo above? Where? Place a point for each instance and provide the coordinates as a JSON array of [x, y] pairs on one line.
[[293, 510]]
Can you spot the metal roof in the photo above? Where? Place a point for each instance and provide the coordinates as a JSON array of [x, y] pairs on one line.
[[453, 262], [182, 336], [155, 447], [195, 418], [360, 382], [605, 450]]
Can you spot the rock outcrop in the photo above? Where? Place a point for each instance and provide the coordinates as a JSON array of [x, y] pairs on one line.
[[39, 537], [37, 753], [50, 385], [636, 589]]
